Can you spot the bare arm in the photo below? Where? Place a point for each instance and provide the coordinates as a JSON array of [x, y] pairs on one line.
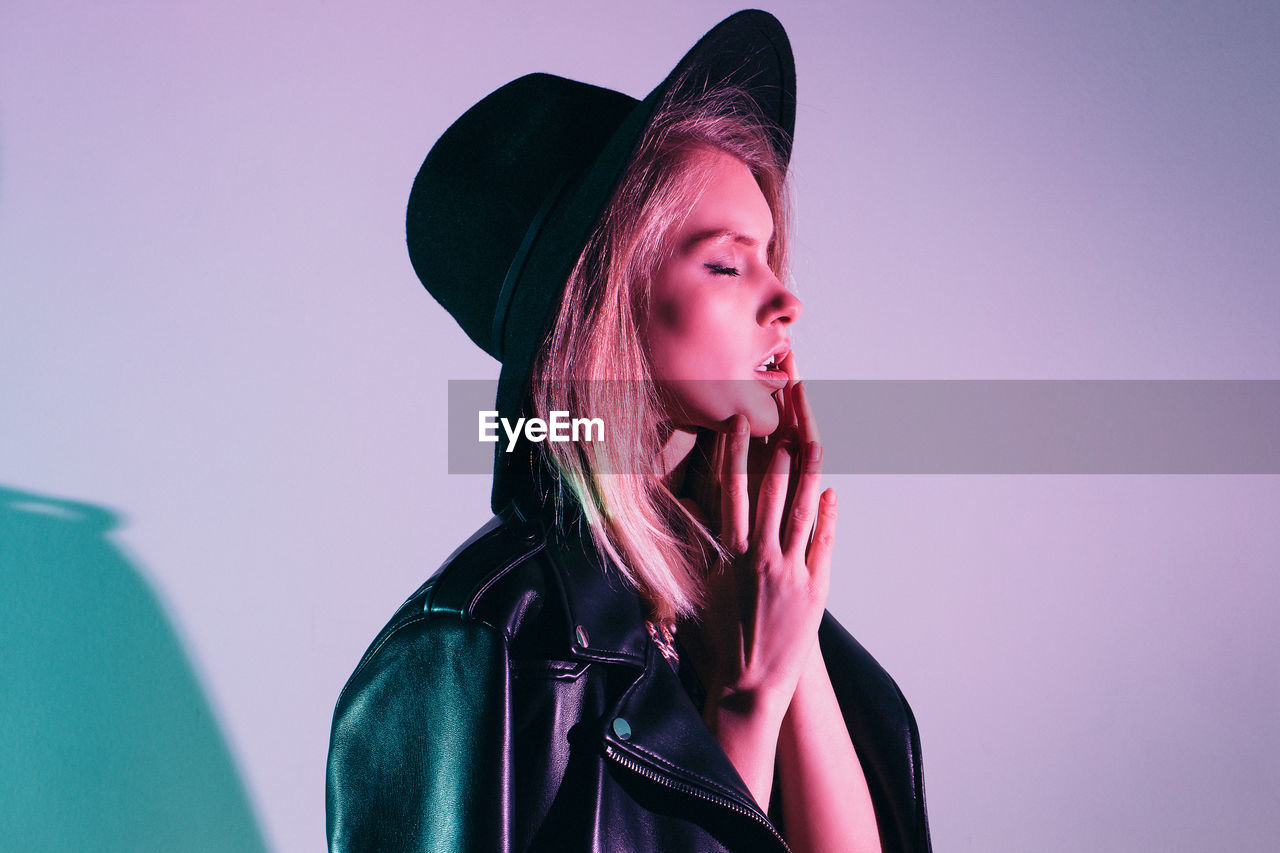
[[824, 793], [748, 730]]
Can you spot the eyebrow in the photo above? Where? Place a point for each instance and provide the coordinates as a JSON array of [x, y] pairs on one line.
[[727, 234]]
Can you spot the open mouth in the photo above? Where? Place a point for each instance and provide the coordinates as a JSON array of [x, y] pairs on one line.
[[770, 365], [770, 370]]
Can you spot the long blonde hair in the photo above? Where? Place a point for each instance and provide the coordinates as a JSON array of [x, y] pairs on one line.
[[595, 361]]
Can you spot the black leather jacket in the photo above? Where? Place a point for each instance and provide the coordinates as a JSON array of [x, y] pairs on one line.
[[516, 702]]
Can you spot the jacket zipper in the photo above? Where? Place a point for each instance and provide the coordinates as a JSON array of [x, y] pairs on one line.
[[684, 788]]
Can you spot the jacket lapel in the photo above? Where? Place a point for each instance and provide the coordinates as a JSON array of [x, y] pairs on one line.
[[654, 729], [661, 725]]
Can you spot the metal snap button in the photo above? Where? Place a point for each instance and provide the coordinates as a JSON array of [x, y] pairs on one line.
[[621, 728], [581, 634]]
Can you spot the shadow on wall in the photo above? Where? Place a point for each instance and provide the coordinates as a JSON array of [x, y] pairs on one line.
[[106, 740]]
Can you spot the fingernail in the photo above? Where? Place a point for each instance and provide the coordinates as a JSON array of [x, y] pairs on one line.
[[740, 425], [813, 450]]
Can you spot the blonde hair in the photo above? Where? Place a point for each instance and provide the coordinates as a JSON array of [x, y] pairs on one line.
[[595, 361]]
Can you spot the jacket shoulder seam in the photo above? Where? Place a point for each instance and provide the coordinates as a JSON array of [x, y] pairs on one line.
[[495, 576], [396, 630], [463, 581]]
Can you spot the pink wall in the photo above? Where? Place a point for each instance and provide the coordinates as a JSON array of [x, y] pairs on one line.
[[208, 323]]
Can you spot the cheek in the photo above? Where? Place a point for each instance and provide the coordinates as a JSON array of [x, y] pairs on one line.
[[667, 314], [673, 331], [696, 334]]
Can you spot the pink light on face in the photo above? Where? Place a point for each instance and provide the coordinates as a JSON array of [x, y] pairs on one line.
[[717, 311]]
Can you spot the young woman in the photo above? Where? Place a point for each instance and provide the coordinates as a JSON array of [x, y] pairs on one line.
[[633, 654]]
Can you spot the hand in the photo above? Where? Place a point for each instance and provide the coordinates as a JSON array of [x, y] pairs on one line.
[[764, 603]]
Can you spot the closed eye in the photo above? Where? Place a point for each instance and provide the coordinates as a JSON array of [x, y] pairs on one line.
[[720, 269]]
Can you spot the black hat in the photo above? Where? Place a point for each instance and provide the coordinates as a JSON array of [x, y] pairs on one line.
[[508, 197]]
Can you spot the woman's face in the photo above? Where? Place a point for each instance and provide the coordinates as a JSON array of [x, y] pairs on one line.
[[718, 315]]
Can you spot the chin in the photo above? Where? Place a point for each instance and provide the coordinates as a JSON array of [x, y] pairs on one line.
[[758, 406], [763, 415]]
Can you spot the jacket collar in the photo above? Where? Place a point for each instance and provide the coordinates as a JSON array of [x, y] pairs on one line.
[[606, 616]]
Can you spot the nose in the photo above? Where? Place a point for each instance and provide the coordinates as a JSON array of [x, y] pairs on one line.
[[779, 306]]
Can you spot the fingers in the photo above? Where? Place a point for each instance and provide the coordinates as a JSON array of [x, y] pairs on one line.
[[789, 365], [786, 396], [773, 494], [804, 505], [715, 467], [786, 413], [808, 425], [824, 540], [735, 501]]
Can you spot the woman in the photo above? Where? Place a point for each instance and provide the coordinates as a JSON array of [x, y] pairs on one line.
[[633, 654]]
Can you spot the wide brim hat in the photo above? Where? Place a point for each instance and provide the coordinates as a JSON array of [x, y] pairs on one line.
[[509, 195]]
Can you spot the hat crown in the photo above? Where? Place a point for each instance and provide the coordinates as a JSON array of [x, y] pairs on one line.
[[486, 181]]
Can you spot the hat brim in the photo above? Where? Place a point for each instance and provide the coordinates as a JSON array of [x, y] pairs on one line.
[[750, 50]]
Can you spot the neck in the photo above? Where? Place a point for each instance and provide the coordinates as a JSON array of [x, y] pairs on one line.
[[673, 458]]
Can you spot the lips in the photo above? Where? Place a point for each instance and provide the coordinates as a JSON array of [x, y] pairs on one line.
[[773, 359], [769, 370]]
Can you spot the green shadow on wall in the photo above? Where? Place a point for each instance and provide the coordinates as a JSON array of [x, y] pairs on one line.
[[106, 740]]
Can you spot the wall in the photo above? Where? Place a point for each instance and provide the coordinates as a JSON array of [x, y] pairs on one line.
[[217, 366]]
